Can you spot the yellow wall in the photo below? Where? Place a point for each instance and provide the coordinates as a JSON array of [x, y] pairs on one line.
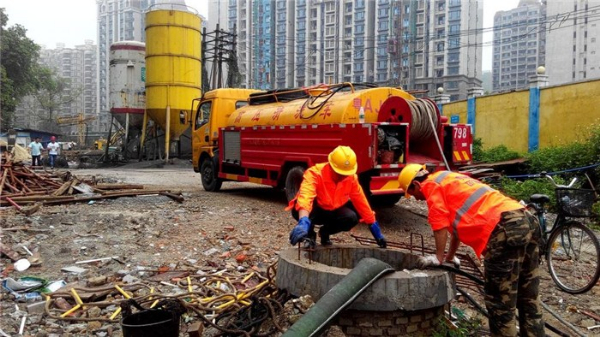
[[503, 119], [566, 111], [456, 108]]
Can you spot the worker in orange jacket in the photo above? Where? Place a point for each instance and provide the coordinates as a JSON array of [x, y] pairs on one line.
[[331, 195], [494, 225]]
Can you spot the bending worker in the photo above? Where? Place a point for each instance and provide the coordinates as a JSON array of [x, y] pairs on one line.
[[493, 225], [330, 195]]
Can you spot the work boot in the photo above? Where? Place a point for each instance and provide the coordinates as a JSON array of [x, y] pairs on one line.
[[325, 241]]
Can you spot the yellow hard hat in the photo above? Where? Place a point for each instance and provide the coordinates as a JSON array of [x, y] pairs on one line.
[[343, 160], [409, 172]]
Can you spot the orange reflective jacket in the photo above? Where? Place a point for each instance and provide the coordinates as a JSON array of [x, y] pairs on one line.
[[318, 184], [464, 206]]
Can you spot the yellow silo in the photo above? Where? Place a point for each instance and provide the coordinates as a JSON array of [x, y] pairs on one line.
[[173, 70]]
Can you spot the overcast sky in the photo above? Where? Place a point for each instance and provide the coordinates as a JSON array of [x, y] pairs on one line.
[[71, 22]]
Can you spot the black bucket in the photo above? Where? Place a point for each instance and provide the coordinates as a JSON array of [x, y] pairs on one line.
[[151, 323]]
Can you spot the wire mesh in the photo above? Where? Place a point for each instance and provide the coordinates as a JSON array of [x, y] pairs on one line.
[[574, 202]]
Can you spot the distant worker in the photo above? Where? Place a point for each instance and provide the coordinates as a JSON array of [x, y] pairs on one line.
[[53, 148], [36, 148], [330, 195], [494, 225]]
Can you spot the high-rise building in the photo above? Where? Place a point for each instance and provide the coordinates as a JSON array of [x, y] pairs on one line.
[[519, 45], [439, 44], [572, 41], [78, 67], [417, 44]]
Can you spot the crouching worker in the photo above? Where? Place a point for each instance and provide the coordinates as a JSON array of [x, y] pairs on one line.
[[330, 195], [493, 225]]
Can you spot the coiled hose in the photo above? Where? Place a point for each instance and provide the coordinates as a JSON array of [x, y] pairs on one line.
[[422, 112]]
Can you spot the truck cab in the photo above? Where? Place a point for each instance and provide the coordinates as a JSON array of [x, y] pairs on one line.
[[210, 113]]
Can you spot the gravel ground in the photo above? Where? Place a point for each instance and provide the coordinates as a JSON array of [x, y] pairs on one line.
[[154, 231]]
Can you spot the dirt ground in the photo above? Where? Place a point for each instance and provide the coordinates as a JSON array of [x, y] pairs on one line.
[[209, 230]]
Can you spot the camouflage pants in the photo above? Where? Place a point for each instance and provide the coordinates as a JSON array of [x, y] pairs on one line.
[[512, 277]]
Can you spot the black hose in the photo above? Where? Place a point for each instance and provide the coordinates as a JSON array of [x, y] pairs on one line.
[[460, 272], [481, 309]]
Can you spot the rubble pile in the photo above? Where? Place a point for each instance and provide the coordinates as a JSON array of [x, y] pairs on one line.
[[208, 301], [21, 186]]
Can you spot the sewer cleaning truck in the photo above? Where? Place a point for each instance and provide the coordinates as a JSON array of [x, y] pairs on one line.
[[271, 137]]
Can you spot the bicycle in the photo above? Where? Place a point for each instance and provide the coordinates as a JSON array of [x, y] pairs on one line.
[[571, 248]]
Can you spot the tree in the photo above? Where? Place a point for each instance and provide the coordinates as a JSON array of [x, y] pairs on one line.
[[51, 96], [19, 56]]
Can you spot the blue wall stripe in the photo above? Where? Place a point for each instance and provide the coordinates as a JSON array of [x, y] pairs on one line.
[[441, 108], [534, 119], [471, 113]]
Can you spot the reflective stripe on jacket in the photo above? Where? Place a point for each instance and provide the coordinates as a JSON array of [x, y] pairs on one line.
[[464, 206], [318, 184]]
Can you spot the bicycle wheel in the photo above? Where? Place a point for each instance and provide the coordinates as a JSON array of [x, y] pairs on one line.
[[573, 255]]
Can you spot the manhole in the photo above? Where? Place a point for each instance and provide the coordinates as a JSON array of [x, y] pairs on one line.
[[405, 302]]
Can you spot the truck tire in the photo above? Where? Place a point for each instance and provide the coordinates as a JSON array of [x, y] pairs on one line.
[[208, 172], [293, 181]]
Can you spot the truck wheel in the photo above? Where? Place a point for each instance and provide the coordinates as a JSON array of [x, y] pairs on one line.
[[208, 172], [293, 181], [386, 200]]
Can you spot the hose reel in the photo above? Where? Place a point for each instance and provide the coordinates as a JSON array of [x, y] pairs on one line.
[[423, 112]]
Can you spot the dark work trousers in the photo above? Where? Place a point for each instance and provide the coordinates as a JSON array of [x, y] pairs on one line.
[[338, 220], [512, 276], [36, 160]]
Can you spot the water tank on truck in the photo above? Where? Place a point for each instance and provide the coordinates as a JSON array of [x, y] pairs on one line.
[[279, 133]]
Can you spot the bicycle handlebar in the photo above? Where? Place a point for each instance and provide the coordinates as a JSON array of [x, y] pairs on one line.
[[546, 175]]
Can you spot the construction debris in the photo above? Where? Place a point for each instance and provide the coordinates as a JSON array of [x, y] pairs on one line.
[[27, 190]]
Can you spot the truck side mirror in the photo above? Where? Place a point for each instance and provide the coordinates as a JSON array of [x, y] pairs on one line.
[[182, 116]]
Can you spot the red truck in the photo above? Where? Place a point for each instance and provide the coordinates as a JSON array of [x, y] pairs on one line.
[[271, 137]]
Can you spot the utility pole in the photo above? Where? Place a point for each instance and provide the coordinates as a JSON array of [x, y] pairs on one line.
[[220, 47]]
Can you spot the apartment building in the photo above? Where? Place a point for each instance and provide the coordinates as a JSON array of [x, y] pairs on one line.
[[438, 44], [572, 41], [78, 67], [420, 45], [519, 45]]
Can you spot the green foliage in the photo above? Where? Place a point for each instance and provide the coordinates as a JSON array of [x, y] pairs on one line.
[[522, 190], [578, 154], [499, 153], [596, 210], [464, 327], [19, 59], [492, 155], [51, 94], [477, 150]]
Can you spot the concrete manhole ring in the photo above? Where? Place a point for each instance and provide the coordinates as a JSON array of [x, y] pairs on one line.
[[408, 301]]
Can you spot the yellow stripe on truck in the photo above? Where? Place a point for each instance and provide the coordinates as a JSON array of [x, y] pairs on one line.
[[255, 180], [231, 176], [457, 156], [391, 185], [465, 154]]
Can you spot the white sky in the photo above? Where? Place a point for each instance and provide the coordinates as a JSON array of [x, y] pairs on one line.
[[71, 22]]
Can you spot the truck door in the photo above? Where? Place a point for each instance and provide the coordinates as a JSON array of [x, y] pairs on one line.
[[201, 131]]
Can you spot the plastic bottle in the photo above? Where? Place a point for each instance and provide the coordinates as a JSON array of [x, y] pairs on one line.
[[361, 115], [29, 297]]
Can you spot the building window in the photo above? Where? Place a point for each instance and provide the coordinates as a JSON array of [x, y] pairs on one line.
[[452, 70], [454, 15]]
